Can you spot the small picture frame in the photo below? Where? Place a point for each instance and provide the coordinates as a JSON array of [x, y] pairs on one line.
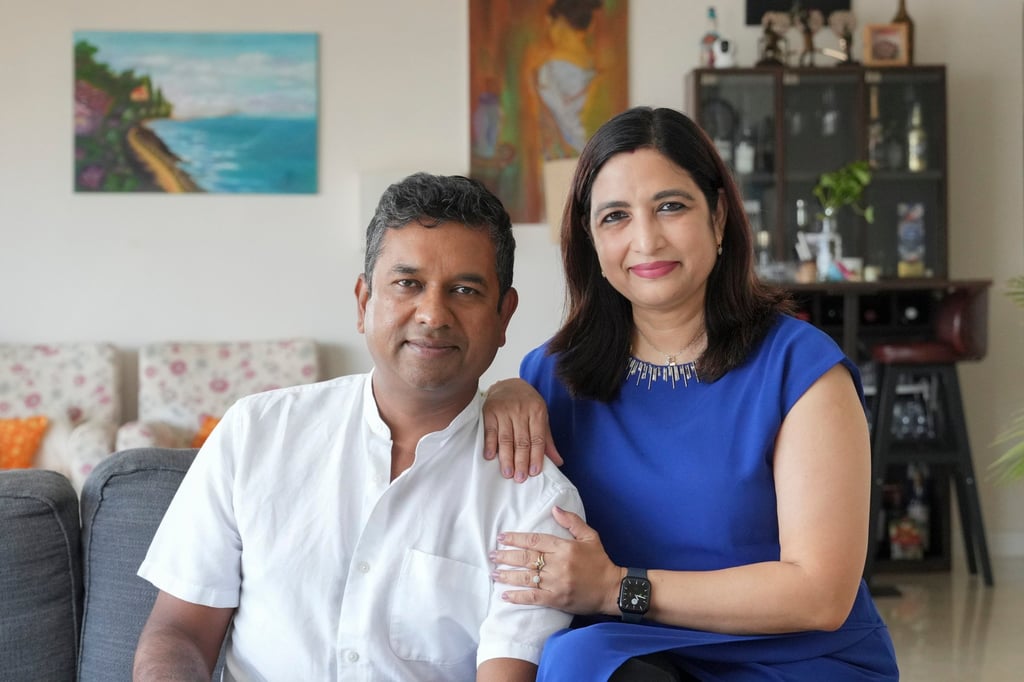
[[886, 45]]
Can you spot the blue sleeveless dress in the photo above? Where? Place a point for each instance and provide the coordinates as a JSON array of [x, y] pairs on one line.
[[680, 478]]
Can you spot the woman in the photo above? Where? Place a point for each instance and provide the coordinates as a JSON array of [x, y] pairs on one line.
[[720, 446]]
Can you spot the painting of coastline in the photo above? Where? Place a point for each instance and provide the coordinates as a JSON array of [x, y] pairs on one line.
[[195, 112]]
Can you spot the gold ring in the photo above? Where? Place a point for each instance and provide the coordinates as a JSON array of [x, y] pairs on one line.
[[539, 563], [536, 579]]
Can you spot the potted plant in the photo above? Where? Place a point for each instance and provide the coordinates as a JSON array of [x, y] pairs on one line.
[[844, 187], [836, 189], [1010, 464]]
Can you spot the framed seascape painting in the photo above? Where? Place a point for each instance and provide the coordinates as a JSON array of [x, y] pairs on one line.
[[544, 75], [196, 112]]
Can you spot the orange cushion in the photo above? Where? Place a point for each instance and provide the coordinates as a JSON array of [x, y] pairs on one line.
[[204, 430], [19, 441]]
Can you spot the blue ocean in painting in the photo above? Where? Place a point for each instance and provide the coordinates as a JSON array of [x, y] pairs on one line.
[[242, 154]]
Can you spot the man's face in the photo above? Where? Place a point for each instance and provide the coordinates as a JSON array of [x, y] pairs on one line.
[[432, 322]]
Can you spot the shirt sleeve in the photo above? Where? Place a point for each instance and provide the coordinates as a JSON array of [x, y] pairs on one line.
[[516, 630], [196, 552]]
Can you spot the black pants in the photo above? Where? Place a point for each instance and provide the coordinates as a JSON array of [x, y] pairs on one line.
[[658, 667]]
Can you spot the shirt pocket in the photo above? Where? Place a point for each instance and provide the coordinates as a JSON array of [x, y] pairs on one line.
[[437, 608]]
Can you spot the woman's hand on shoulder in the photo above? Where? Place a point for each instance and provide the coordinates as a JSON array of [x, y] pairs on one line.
[[516, 429]]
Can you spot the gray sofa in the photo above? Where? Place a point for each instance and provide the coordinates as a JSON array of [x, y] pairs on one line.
[[71, 606]]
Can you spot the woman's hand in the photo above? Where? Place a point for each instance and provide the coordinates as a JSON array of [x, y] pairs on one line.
[[516, 429], [576, 575]]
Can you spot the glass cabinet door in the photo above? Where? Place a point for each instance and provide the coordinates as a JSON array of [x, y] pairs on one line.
[[906, 114], [820, 133], [737, 108], [780, 129]]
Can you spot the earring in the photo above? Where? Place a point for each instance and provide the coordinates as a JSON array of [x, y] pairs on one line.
[[719, 249]]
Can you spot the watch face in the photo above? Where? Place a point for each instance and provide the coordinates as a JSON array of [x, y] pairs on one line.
[[635, 595]]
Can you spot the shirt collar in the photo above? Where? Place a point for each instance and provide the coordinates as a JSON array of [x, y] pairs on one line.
[[469, 415]]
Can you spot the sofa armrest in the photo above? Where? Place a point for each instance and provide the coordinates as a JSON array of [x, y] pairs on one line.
[[142, 434], [123, 503], [40, 576]]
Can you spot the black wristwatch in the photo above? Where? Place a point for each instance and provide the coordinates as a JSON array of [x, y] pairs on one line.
[[634, 595]]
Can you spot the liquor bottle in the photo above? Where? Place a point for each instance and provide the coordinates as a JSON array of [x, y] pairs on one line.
[[825, 255], [893, 509], [708, 40], [829, 113], [745, 149], [910, 239], [801, 215], [876, 134], [903, 18], [918, 509], [917, 141]]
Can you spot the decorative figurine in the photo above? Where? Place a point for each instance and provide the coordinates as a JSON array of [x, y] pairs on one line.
[[772, 46], [809, 21], [842, 23]]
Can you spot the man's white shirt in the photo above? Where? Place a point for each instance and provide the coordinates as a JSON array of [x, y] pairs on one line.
[[337, 572]]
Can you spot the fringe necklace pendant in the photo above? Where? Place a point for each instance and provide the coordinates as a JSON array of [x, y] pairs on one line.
[[674, 372]]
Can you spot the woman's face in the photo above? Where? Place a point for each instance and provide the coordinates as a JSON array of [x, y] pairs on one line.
[[655, 236]]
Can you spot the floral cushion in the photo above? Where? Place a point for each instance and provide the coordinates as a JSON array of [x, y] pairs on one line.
[[77, 387], [182, 383]]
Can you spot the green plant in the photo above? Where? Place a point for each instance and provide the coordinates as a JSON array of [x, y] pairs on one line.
[[1010, 465], [845, 187]]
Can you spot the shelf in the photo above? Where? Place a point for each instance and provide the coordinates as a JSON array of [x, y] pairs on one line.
[[803, 122]]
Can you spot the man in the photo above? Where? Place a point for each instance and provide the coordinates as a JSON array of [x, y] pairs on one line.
[[342, 530]]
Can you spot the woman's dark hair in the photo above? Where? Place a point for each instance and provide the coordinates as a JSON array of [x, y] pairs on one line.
[[594, 341]]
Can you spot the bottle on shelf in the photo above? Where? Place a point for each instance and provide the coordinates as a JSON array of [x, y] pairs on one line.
[[902, 17], [826, 239], [762, 237], [801, 215], [876, 133], [893, 509], [917, 141], [829, 113], [918, 509], [708, 40], [910, 239], [894, 144], [745, 152]]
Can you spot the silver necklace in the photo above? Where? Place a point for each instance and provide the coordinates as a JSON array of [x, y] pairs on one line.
[[670, 358], [674, 372], [643, 371]]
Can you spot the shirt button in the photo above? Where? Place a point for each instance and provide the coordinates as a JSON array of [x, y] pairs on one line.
[[353, 657], [364, 567], [378, 479]]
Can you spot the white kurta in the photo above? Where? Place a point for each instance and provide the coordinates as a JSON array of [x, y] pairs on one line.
[[288, 514]]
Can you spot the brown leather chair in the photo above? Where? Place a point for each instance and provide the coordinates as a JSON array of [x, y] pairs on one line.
[[959, 334]]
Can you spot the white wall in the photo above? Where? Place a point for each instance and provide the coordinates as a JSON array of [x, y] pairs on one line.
[[394, 84]]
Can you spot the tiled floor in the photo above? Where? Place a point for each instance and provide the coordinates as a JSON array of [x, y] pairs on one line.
[[949, 626]]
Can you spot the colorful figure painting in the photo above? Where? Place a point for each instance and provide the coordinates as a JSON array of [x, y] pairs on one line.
[[196, 112], [544, 75]]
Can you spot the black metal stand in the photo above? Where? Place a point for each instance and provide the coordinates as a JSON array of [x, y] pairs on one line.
[[953, 451]]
